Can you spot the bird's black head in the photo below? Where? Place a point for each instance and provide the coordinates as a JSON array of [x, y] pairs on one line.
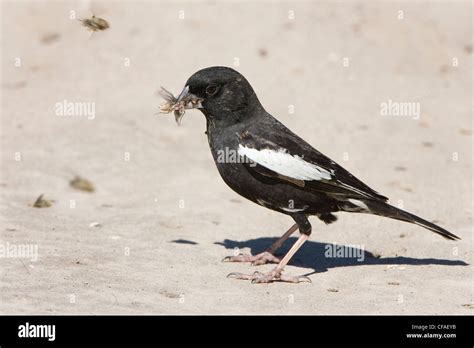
[[226, 96]]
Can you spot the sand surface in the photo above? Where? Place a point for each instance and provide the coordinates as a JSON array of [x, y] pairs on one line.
[[151, 236]]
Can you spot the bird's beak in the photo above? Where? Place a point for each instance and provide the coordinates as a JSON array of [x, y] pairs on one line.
[[188, 100]]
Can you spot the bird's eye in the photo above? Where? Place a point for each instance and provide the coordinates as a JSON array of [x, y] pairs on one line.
[[212, 89]]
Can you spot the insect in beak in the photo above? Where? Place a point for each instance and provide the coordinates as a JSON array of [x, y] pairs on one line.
[[185, 100]]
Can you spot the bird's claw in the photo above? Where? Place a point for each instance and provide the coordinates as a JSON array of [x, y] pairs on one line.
[[256, 260], [269, 277], [237, 275]]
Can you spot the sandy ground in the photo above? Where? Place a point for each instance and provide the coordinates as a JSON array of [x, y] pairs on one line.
[[167, 219]]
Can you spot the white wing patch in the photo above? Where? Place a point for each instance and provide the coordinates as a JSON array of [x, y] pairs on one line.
[[359, 204], [285, 164]]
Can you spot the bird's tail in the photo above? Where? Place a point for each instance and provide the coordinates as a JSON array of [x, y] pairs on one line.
[[384, 209]]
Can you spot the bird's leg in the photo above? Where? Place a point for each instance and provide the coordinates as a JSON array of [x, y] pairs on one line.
[[276, 273], [266, 256], [277, 245]]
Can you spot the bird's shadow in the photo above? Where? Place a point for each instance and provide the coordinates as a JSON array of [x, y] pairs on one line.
[[323, 256], [183, 241]]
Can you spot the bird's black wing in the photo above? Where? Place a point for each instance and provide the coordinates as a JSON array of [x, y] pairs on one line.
[[277, 153]]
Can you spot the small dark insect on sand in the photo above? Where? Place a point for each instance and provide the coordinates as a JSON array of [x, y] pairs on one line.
[[82, 184], [95, 23], [42, 202], [178, 104]]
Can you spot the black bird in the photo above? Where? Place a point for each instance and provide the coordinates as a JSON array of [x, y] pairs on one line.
[[262, 160]]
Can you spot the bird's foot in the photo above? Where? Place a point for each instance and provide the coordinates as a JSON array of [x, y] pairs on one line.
[[256, 260], [269, 277]]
